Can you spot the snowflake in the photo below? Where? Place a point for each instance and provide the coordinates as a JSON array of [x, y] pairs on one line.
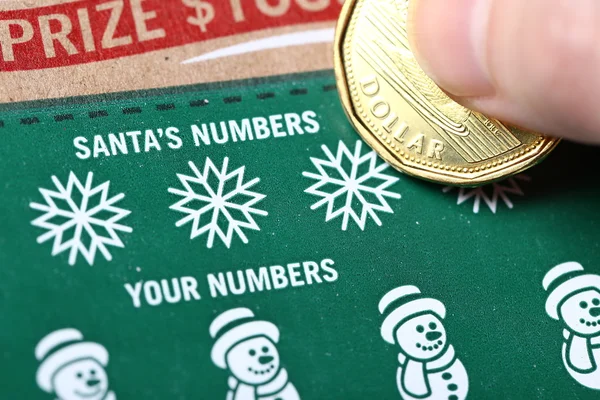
[[491, 194], [210, 195], [80, 218], [354, 183]]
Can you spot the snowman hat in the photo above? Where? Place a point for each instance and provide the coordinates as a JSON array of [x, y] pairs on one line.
[[235, 326], [403, 303], [60, 348], [564, 281]]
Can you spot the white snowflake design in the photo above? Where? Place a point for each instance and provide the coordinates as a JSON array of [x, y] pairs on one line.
[[212, 206], [492, 194], [351, 181], [81, 218]]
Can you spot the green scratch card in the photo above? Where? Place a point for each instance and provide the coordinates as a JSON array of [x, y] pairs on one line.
[[239, 241]]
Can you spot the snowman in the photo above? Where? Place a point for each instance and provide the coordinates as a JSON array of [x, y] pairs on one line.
[[429, 368], [246, 348], [574, 299], [71, 368]]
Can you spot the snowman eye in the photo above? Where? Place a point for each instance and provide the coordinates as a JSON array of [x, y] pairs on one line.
[[596, 302], [420, 329], [583, 305], [265, 349], [432, 325], [252, 352], [93, 371], [79, 375]]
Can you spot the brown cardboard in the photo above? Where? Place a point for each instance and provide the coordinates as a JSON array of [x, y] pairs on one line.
[[163, 67]]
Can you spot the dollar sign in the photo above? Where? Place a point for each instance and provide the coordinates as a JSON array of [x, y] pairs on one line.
[[205, 13]]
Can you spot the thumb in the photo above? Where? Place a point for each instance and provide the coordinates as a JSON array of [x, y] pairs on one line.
[[533, 63]]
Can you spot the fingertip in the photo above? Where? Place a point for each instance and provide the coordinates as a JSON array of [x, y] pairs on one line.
[[533, 64], [449, 43]]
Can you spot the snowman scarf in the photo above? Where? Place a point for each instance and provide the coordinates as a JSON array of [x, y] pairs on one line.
[[579, 354], [242, 391], [109, 396], [413, 374]]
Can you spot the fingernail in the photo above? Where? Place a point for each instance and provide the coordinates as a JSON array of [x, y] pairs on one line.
[[449, 39]]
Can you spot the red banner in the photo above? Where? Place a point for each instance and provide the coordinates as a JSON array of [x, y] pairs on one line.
[[91, 30]]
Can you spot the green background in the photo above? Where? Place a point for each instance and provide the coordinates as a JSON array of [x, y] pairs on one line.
[[486, 268]]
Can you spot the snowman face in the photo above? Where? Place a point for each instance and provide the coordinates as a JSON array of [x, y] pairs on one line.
[[254, 361], [81, 380], [581, 312], [422, 338]]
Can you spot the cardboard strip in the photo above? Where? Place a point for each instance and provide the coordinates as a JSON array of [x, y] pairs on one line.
[[89, 31]]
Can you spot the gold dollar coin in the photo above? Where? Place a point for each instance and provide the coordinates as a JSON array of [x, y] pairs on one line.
[[406, 118]]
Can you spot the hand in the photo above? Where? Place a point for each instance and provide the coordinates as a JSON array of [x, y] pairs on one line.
[[533, 63]]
